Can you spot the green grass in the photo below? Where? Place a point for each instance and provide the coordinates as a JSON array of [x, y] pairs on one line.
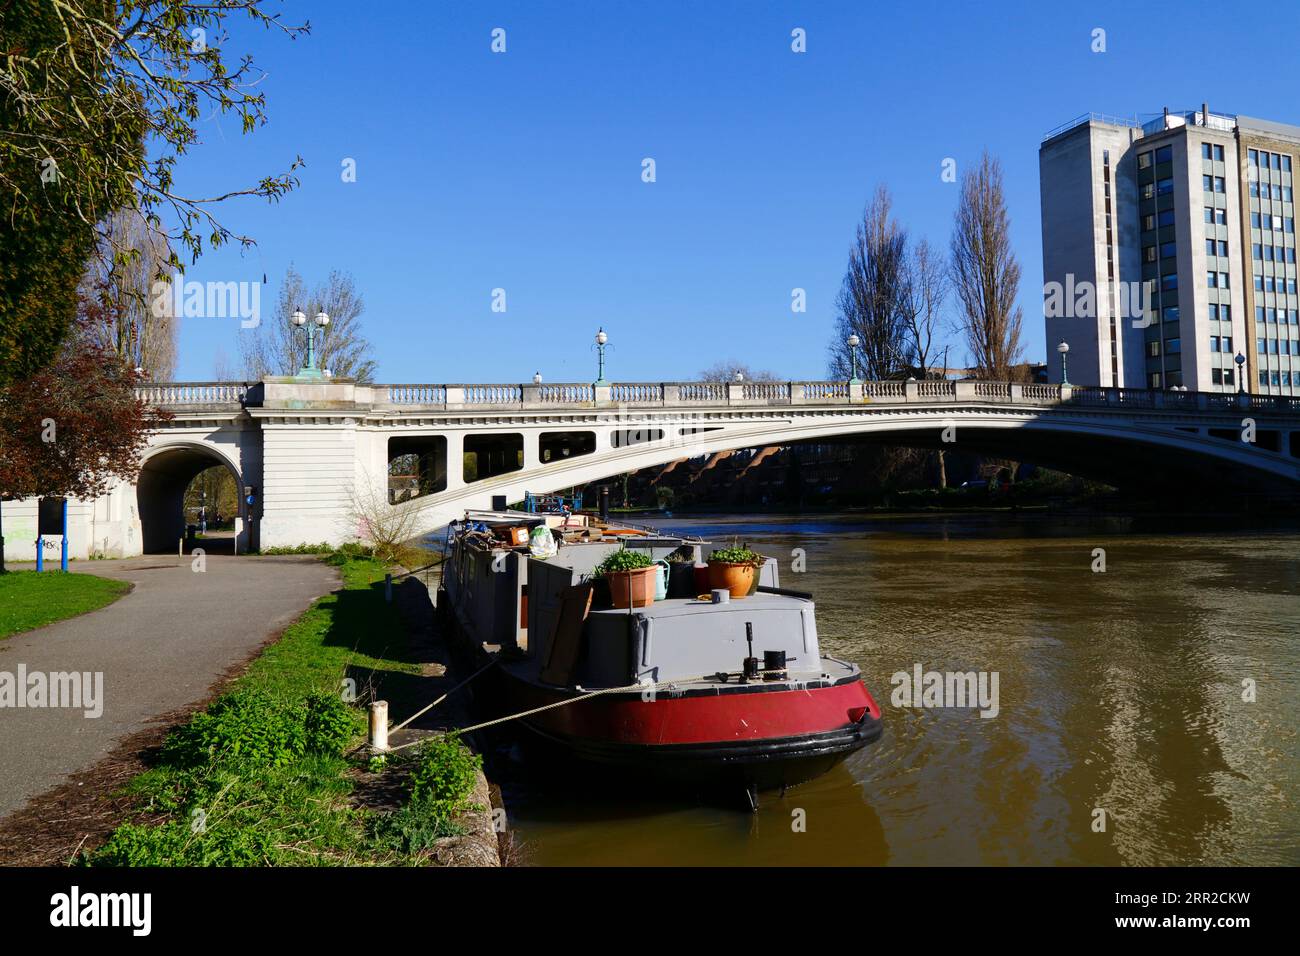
[[29, 600], [238, 786]]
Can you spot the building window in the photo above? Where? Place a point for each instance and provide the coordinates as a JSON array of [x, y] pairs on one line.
[[1165, 218], [1171, 312], [1164, 187], [1253, 155], [1144, 160], [1221, 216], [1223, 280], [1164, 154], [1169, 283], [1216, 376], [1256, 251], [1148, 190], [1286, 164], [1205, 151], [1149, 223], [1254, 220], [1207, 183], [1218, 184], [1225, 313], [1148, 253], [1155, 379], [1214, 312], [1214, 343], [1227, 343], [1173, 346], [1153, 349], [1168, 250], [1218, 152], [1227, 376], [1212, 280]]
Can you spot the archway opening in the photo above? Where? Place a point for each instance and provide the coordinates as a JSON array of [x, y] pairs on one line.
[[187, 486]]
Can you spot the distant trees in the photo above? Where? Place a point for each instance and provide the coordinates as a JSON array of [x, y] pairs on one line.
[[115, 298], [276, 348], [985, 273], [726, 372]]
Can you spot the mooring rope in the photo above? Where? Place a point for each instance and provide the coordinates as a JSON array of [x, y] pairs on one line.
[[653, 685], [425, 710]]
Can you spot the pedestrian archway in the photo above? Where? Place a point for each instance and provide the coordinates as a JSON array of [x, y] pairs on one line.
[[165, 475]]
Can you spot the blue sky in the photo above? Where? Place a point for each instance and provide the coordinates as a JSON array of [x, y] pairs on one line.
[[522, 170]]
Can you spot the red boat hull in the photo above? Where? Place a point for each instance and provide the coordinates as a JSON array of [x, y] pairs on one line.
[[761, 735]]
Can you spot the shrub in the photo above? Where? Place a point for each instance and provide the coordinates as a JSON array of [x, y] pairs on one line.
[[176, 844], [251, 726], [446, 772], [414, 827], [624, 559], [328, 724]]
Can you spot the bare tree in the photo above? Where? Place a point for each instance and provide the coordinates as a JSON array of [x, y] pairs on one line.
[[391, 530], [985, 273], [726, 372], [277, 348], [871, 299], [116, 296], [925, 294]]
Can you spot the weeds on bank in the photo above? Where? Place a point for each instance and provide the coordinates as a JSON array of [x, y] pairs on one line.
[[263, 777]]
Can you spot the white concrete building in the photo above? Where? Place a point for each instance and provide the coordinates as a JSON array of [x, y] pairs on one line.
[[1182, 232]]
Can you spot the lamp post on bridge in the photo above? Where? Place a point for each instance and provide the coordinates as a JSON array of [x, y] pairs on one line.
[[299, 320], [601, 339], [1241, 373], [1064, 349], [852, 342]]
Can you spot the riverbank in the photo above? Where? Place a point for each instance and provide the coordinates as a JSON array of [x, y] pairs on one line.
[[274, 772]]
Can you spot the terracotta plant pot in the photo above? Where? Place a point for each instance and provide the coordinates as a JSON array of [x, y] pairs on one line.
[[736, 578], [632, 588]]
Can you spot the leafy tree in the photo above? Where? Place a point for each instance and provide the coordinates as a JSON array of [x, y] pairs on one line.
[[84, 84], [72, 428]]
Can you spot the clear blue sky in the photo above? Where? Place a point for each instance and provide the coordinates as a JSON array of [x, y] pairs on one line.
[[523, 170]]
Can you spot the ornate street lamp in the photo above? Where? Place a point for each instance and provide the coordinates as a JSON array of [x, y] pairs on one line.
[[299, 320], [739, 376], [1241, 373], [1064, 349], [853, 342], [601, 339]]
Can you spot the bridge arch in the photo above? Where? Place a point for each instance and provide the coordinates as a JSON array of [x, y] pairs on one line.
[[166, 470]]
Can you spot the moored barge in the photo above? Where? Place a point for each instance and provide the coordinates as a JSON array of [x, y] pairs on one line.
[[710, 687]]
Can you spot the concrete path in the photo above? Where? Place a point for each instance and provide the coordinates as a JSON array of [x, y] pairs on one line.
[[159, 648]]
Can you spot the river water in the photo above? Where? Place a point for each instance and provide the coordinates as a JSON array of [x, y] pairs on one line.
[[1120, 703]]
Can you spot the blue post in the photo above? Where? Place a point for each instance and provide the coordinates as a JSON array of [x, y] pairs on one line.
[[40, 553], [63, 554]]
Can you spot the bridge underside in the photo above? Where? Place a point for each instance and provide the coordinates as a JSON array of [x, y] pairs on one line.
[[1125, 463]]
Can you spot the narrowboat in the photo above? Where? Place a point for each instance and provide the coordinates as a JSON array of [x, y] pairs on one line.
[[705, 686]]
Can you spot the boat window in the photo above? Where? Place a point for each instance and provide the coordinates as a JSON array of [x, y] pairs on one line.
[[555, 446], [625, 437], [492, 454], [417, 466]]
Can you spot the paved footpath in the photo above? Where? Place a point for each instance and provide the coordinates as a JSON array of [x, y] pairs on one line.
[[160, 647]]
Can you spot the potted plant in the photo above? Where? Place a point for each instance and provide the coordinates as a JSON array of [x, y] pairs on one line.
[[631, 578], [734, 569]]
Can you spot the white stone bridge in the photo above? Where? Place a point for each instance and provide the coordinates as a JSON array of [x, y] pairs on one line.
[[316, 455]]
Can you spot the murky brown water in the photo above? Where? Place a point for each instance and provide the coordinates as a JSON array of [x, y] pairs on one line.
[[1119, 690]]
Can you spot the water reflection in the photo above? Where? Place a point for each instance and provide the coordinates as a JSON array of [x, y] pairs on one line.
[[1120, 693]]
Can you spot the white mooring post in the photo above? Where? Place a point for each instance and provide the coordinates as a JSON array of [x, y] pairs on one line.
[[379, 725]]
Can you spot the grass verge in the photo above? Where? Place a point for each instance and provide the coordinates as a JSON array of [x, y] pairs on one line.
[[265, 776], [29, 600]]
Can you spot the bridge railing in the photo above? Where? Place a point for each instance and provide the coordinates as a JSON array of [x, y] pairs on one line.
[[163, 394], [744, 394]]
